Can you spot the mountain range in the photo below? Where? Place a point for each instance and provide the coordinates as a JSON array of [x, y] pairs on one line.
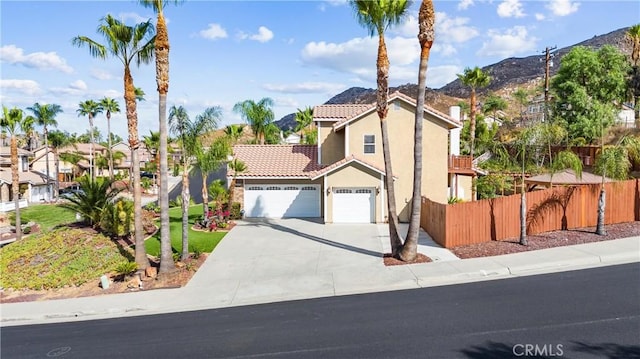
[[506, 76]]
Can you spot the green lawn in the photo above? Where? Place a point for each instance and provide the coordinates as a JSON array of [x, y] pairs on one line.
[[46, 215], [203, 241]]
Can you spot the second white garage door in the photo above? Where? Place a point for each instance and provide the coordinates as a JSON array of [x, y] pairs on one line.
[[278, 201], [353, 205]]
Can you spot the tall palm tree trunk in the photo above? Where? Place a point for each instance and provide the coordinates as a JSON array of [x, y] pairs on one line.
[[382, 108], [523, 204], [56, 160], [162, 79], [15, 185], [46, 146], [205, 193], [110, 149], [185, 208], [472, 134], [134, 144], [92, 171], [409, 249]]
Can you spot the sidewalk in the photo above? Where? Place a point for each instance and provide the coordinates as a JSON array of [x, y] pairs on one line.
[[275, 271]]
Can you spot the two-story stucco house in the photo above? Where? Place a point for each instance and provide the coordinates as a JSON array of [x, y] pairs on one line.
[[33, 185], [342, 178]]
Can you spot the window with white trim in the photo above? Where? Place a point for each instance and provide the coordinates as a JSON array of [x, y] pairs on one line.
[[363, 190], [369, 144], [343, 190]]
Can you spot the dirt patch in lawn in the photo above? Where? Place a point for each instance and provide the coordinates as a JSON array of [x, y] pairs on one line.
[[179, 278], [548, 240]]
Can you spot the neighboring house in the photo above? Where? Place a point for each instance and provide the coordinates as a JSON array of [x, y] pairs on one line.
[[69, 170], [293, 139], [342, 178], [33, 185], [626, 116], [39, 162]]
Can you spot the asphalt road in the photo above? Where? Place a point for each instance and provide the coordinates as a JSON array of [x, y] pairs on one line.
[[591, 313], [195, 184]]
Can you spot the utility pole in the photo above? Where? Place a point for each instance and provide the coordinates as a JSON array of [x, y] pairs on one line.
[[547, 65]]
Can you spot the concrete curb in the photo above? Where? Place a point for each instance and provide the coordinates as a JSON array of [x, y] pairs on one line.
[[239, 292]]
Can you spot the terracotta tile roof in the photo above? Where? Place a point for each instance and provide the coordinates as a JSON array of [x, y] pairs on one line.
[[24, 177], [82, 148], [277, 161], [5, 151], [344, 162], [348, 112], [341, 111]]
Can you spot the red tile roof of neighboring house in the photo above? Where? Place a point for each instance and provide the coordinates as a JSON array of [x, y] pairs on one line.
[[345, 113], [24, 177], [278, 161]]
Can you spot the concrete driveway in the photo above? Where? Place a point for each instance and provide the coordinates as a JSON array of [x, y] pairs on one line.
[[269, 260]]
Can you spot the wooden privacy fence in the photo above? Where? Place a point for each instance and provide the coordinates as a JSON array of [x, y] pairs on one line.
[[547, 210]]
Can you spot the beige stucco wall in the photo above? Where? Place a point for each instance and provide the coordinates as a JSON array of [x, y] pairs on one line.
[[464, 187], [354, 175], [401, 128], [332, 143]]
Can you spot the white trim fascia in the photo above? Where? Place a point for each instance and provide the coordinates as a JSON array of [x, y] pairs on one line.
[[328, 119], [346, 141], [325, 199]]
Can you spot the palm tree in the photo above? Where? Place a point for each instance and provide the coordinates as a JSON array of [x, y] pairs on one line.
[[162, 46], [258, 115], [634, 35], [492, 104], [45, 116], [131, 45], [522, 98], [474, 78], [614, 162], [95, 195], [211, 160], [13, 122], [152, 143], [110, 106], [304, 119], [90, 109], [377, 16], [237, 166], [523, 140], [189, 133], [57, 139], [426, 35], [234, 132]]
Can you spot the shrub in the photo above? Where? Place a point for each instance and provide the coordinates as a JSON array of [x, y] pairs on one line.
[[126, 268], [152, 206], [118, 218], [146, 183], [91, 200], [236, 211], [454, 200]]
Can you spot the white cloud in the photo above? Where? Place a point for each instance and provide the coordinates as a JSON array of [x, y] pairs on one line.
[[444, 49], [286, 102], [78, 85], [562, 7], [454, 29], [134, 17], [464, 4], [38, 60], [263, 35], [305, 87], [28, 87], [358, 56], [408, 28], [510, 8], [438, 76], [214, 31], [540, 16], [323, 5], [508, 43], [101, 74]]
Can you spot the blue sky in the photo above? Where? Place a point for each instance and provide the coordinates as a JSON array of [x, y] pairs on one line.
[[299, 53]]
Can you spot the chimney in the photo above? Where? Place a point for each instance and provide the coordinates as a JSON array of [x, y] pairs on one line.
[[454, 134]]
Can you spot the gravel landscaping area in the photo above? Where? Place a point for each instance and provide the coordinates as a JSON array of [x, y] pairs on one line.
[[548, 240]]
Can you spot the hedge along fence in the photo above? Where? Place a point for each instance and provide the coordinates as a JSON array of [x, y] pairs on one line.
[[564, 207]]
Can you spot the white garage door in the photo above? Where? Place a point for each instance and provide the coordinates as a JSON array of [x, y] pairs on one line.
[[353, 205], [277, 201]]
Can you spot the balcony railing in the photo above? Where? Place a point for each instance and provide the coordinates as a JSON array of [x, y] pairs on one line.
[[460, 164]]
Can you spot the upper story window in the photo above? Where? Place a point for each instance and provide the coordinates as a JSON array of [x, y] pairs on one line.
[[369, 144], [396, 106]]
